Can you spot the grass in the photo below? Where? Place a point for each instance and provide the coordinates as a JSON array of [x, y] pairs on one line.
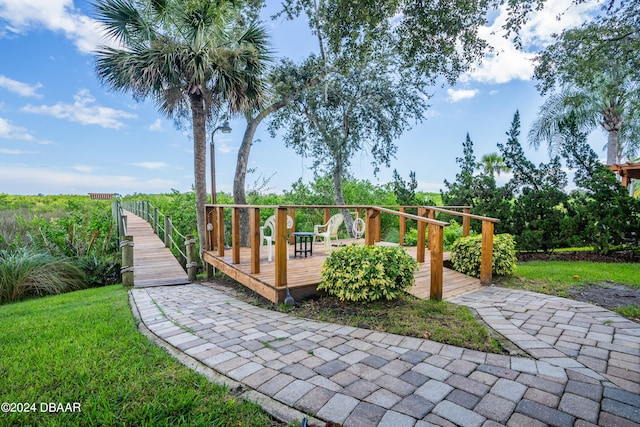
[[83, 347], [629, 311], [407, 315], [557, 277]]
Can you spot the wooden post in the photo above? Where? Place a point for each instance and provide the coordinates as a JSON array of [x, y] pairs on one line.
[[292, 214], [235, 235], [168, 231], [378, 227], [327, 215], [192, 261], [220, 231], [126, 270], [486, 263], [436, 237], [155, 221], [122, 222], [431, 215], [281, 247], [370, 229], [466, 222], [420, 248], [209, 235], [254, 239], [209, 238], [403, 225], [213, 218]]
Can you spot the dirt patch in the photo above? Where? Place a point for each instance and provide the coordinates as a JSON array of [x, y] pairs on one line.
[[607, 295], [579, 256]]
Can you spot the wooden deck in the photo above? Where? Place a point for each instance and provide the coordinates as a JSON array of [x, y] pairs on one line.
[[153, 263], [304, 274]]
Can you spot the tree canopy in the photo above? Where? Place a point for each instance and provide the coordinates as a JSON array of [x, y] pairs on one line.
[[596, 69]]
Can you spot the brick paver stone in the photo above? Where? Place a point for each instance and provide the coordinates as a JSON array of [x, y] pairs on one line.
[[338, 408], [458, 415]]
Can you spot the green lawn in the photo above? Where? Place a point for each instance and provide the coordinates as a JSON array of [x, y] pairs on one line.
[[559, 277], [83, 348], [571, 273]]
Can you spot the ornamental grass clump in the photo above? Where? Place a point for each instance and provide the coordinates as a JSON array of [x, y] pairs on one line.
[[367, 273], [25, 273], [466, 254]]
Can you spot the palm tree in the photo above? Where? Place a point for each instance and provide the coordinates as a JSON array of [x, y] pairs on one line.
[[191, 57], [608, 109], [492, 164]]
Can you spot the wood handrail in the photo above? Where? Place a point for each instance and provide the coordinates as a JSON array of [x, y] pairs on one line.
[[425, 217], [463, 214]]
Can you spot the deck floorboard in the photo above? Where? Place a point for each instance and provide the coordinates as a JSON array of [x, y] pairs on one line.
[[153, 263]]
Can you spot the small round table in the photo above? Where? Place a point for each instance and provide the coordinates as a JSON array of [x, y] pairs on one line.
[[303, 243]]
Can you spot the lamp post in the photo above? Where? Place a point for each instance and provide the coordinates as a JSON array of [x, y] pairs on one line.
[[225, 128]]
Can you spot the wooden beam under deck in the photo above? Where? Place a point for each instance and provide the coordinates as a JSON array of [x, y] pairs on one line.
[[304, 274]]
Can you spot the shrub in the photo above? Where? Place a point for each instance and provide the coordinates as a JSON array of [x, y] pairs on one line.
[[367, 273], [466, 255], [25, 273]]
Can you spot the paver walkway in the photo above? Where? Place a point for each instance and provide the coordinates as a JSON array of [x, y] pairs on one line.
[[583, 369]]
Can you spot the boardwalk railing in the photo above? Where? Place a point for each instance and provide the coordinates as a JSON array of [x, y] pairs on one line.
[[427, 225], [151, 214]]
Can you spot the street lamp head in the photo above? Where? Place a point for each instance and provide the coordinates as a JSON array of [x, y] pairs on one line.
[[225, 128]]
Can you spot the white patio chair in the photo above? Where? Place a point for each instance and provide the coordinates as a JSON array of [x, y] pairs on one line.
[[328, 231], [270, 223], [358, 227]]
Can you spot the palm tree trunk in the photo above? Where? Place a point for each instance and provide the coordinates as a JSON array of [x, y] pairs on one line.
[[199, 162], [612, 148], [612, 122]]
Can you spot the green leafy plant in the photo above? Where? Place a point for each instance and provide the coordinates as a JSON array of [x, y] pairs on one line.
[[367, 273], [466, 254]]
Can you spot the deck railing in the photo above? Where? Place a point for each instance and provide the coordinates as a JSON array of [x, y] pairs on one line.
[[428, 226]]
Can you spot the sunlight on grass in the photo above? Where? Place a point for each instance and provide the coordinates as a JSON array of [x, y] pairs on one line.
[[84, 347], [556, 277]]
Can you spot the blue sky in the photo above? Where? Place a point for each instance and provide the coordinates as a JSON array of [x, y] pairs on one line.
[[61, 132]]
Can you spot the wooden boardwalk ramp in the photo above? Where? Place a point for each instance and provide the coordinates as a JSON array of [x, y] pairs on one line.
[[153, 263]]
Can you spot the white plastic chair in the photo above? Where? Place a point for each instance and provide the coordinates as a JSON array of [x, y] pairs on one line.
[[270, 223], [358, 227], [328, 231]]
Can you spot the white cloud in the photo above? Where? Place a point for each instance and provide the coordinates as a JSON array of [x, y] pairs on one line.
[[456, 95], [9, 131], [58, 181], [84, 168], [83, 111], [16, 151], [222, 144], [20, 88], [151, 165], [508, 63], [156, 126], [55, 15]]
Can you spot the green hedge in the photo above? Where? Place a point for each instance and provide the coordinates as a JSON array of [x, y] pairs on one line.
[[466, 254], [367, 273]]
